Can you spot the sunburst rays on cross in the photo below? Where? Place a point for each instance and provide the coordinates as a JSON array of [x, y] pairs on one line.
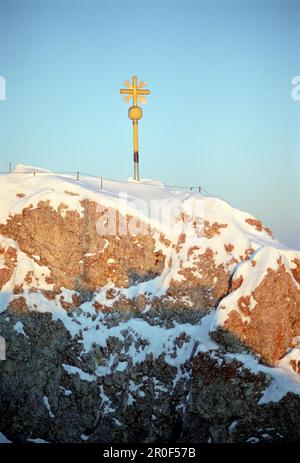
[[135, 90]]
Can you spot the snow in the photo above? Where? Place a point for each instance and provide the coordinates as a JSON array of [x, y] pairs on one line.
[[158, 339], [46, 402], [66, 294], [159, 387], [4, 440], [130, 400], [72, 370], [252, 440], [24, 265], [147, 181], [19, 328], [21, 168], [136, 198], [282, 381], [292, 356], [37, 440], [105, 402], [121, 366], [117, 422], [66, 392], [132, 387], [233, 425]]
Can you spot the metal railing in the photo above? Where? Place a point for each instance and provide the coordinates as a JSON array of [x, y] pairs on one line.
[[78, 175]]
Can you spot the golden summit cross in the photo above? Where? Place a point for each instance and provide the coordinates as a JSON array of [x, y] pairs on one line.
[[135, 91]]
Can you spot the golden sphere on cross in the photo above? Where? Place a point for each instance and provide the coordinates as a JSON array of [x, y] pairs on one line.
[[135, 113]]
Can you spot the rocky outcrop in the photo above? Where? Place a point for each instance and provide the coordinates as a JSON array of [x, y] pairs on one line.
[[148, 337], [51, 390], [258, 226], [77, 256], [82, 260], [266, 319], [9, 260]]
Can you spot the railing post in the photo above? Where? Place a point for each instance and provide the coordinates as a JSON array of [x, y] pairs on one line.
[[199, 189], [10, 167], [77, 175], [101, 182]]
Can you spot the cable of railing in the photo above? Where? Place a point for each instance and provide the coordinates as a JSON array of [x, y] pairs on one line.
[[77, 175], [141, 183], [38, 172], [89, 175]]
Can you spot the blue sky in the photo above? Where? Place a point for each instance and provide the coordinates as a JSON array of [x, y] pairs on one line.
[[220, 113]]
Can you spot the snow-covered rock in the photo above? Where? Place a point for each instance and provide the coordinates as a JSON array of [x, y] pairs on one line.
[[184, 302]]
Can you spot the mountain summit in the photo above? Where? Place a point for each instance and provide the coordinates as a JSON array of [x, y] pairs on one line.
[[132, 311]]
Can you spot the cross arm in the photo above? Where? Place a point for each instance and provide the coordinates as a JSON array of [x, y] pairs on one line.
[[126, 91], [143, 92]]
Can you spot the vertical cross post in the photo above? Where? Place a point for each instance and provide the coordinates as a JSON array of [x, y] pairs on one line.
[[135, 150], [135, 92]]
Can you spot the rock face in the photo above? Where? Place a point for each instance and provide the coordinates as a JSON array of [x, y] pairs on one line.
[[264, 316], [158, 335], [215, 399], [274, 321], [9, 258], [76, 255]]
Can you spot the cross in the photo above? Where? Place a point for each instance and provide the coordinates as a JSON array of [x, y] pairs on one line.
[[134, 91], [135, 113]]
